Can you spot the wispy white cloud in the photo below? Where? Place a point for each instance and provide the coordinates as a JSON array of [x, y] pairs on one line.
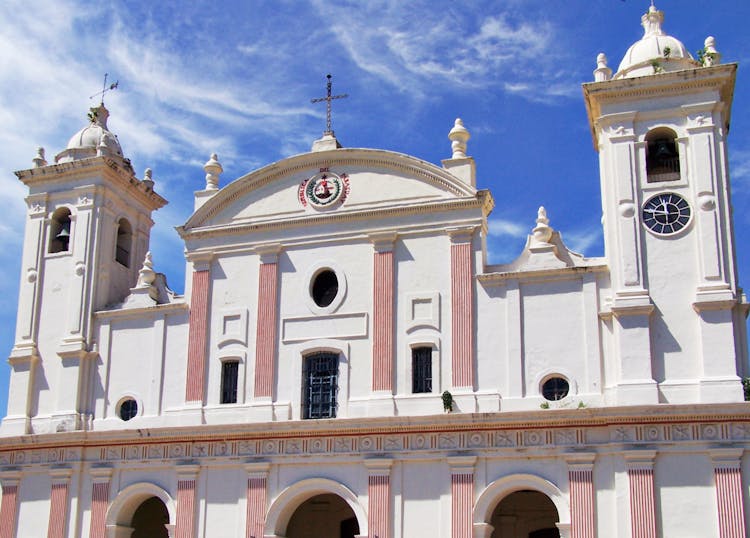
[[415, 45], [498, 227]]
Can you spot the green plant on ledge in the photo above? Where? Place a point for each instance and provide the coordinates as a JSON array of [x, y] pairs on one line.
[[657, 67], [544, 405], [746, 388], [447, 401]]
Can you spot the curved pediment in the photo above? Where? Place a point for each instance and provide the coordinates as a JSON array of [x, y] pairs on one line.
[[371, 180]]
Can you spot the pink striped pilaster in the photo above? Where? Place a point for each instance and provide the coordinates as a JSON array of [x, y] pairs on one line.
[[582, 501], [642, 502], [58, 510], [379, 497], [462, 308], [9, 504], [185, 517], [729, 497], [257, 483], [265, 339], [99, 501], [197, 332], [462, 496], [382, 305]]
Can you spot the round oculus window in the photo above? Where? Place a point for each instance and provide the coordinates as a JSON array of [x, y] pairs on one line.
[[325, 287], [128, 409], [666, 213], [555, 388]]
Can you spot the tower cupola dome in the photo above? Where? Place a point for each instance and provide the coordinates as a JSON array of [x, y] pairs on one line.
[[656, 52], [93, 140]]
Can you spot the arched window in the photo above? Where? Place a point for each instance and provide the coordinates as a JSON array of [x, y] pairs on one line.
[[662, 156], [124, 241], [59, 238]]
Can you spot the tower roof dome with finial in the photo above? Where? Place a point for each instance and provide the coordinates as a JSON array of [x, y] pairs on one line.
[[655, 52], [92, 140]]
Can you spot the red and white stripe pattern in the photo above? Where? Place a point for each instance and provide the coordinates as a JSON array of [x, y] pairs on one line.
[[729, 500], [185, 508], [462, 501], [582, 503], [265, 340], [99, 500], [379, 506], [197, 334], [256, 507], [462, 303], [58, 512], [8, 511], [642, 506], [382, 352]]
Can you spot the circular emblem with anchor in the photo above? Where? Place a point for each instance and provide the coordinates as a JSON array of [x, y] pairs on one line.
[[324, 189]]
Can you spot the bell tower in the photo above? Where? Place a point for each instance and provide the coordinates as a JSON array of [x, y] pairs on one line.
[[87, 231], [660, 125]]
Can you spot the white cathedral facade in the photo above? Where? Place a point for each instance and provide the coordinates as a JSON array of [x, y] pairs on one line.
[[344, 361]]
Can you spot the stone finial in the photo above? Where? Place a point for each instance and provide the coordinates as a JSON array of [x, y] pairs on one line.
[[146, 275], [542, 231], [458, 137], [39, 160], [602, 71], [652, 21], [213, 169], [148, 180], [710, 55]]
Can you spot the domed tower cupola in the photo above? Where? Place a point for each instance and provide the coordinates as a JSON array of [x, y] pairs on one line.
[[656, 52], [94, 140]]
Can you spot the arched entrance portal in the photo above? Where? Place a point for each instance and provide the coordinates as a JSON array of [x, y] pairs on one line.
[[327, 515], [150, 519], [525, 514]]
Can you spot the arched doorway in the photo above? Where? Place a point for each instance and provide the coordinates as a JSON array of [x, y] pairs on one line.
[[325, 514], [150, 519], [525, 514]]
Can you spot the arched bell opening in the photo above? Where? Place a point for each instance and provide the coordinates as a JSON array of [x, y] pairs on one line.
[[124, 242], [662, 156], [59, 231]]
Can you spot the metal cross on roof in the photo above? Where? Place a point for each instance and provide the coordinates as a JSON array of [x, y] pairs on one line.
[[328, 98], [105, 89]]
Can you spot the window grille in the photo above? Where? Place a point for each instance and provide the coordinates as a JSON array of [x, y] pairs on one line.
[[229, 372], [421, 369], [321, 375]]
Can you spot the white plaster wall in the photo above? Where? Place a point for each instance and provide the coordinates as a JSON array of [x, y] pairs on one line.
[[685, 495]]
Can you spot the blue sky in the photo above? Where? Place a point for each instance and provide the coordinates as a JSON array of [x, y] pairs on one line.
[[237, 77]]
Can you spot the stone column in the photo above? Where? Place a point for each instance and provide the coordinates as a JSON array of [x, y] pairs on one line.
[[640, 466], [383, 319], [257, 484], [462, 495], [58, 510], [9, 481], [198, 330], [185, 524], [99, 501], [582, 500], [729, 494], [379, 497], [266, 335]]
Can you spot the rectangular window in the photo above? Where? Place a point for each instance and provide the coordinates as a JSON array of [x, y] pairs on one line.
[[421, 369], [229, 374], [321, 376]]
